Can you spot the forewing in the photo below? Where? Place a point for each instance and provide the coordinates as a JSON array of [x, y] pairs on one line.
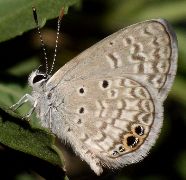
[[146, 51]]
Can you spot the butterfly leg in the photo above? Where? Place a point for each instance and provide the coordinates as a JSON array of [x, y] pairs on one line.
[[50, 117], [23, 100], [31, 110], [49, 113]]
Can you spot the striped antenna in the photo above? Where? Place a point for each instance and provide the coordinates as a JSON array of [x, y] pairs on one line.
[[57, 37], [41, 39]]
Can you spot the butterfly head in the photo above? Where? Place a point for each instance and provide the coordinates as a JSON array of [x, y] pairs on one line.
[[37, 79]]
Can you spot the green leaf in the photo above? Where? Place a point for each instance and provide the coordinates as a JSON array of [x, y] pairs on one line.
[[129, 12], [24, 67], [181, 35], [178, 90], [16, 16], [170, 10], [18, 134], [10, 93]]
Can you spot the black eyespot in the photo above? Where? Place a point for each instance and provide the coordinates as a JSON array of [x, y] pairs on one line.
[[139, 130], [121, 149], [38, 78], [115, 153], [79, 121], [105, 84], [81, 90], [111, 43], [81, 110], [132, 141]]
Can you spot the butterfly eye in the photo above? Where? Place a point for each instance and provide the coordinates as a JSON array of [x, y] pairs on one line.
[[38, 78]]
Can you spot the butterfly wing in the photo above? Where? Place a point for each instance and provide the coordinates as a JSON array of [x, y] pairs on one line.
[[146, 51], [113, 92]]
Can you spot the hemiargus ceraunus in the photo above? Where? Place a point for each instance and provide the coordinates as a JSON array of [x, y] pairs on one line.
[[107, 103]]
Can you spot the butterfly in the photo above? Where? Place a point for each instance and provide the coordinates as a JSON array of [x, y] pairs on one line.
[[107, 102]]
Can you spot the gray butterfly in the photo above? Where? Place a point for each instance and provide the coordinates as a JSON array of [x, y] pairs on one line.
[[107, 103]]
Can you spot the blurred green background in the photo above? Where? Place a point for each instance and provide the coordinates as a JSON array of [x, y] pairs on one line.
[[87, 22]]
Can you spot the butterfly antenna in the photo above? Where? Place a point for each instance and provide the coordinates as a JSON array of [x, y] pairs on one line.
[[57, 37], [41, 38]]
